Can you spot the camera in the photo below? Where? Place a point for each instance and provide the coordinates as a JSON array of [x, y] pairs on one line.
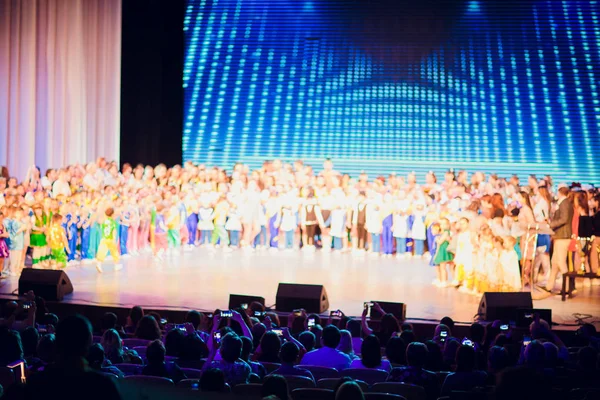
[[311, 322]]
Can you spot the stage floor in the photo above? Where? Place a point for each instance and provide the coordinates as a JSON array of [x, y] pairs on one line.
[[203, 279]]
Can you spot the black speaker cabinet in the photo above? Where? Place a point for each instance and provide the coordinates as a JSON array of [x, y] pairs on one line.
[[237, 300], [292, 296], [48, 284], [503, 306]]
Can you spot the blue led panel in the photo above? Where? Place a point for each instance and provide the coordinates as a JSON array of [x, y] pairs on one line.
[[395, 86]]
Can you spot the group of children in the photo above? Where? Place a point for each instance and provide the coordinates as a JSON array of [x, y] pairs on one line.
[[147, 211]]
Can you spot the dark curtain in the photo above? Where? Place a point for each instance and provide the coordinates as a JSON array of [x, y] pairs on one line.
[[151, 81]]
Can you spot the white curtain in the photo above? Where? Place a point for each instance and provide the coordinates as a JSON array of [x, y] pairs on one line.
[[60, 75]]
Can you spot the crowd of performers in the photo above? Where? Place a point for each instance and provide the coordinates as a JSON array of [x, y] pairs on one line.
[[480, 232]]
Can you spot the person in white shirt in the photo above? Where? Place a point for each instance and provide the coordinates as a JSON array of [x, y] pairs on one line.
[[370, 356], [61, 186], [328, 355]]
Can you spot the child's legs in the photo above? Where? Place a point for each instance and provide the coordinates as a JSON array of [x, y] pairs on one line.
[[192, 227], [375, 242], [223, 236], [443, 272], [419, 247], [38, 254], [400, 245], [113, 247], [103, 249], [337, 243], [123, 238], [132, 239], [289, 239], [234, 237]]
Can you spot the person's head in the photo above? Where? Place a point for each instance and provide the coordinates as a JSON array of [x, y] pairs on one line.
[[331, 336], [370, 352], [212, 380], [353, 326], [563, 192], [275, 385], [112, 343], [416, 354], [521, 383], [388, 325], [346, 345], [349, 391], [174, 342], [29, 340], [308, 340], [465, 359], [270, 344], [147, 328], [498, 359], [109, 321], [135, 315], [95, 356], [408, 337], [246, 348], [109, 212], [406, 326], [11, 348], [587, 358], [450, 348], [550, 354], [231, 347], [289, 353], [534, 354], [155, 352], [539, 329], [477, 333], [193, 348], [434, 356], [73, 338], [46, 348], [442, 328], [395, 350], [194, 317], [258, 330]]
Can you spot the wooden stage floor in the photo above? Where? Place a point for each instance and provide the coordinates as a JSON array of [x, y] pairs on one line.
[[202, 279]]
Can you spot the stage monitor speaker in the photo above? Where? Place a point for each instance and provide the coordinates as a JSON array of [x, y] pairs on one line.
[[236, 300], [292, 296], [48, 284], [525, 316], [503, 306], [397, 309]]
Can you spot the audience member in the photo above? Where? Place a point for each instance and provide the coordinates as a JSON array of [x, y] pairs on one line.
[[346, 345], [114, 350], [193, 351], [289, 357], [156, 365], [174, 342], [395, 351], [11, 348], [328, 355], [308, 340], [213, 380], [96, 361], [236, 371], [69, 377], [135, 315], [414, 373], [353, 326], [257, 368], [498, 360], [147, 328], [465, 376], [434, 361], [370, 356], [29, 339], [275, 385], [270, 344], [349, 391]]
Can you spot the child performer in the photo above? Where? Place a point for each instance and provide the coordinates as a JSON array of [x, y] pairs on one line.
[[234, 225], [434, 230], [442, 256], [338, 226], [173, 226], [273, 214], [205, 224], [16, 230], [387, 238], [4, 252], [160, 245], [134, 230], [57, 239], [417, 230], [310, 215], [288, 225], [374, 227], [108, 241], [359, 220], [38, 242], [124, 224], [192, 220], [464, 257], [509, 263], [220, 233], [71, 230], [400, 230], [85, 221]]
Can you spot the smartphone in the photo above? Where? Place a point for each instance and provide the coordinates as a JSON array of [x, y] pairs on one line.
[[526, 340], [311, 322], [163, 321], [467, 342], [297, 313], [443, 336], [337, 313], [367, 305], [26, 305], [504, 327], [42, 329], [260, 314], [279, 332], [209, 315], [18, 368], [226, 314], [217, 337], [244, 306], [529, 315], [181, 327]]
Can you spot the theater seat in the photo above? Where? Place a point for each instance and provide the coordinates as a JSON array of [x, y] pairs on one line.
[[411, 392], [370, 376], [312, 393], [331, 383], [150, 380], [321, 372], [383, 396]]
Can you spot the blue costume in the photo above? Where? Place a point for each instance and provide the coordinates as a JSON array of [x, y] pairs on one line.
[[387, 238]]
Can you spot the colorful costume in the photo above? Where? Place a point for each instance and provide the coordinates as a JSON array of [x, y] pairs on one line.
[[108, 241], [56, 240]]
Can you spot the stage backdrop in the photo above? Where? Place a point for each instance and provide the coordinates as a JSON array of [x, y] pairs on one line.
[[59, 82], [395, 85]]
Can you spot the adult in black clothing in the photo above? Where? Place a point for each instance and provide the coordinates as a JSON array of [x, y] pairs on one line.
[[70, 377], [155, 354], [595, 253]]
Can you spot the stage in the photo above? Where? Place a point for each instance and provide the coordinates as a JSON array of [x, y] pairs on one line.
[[202, 279]]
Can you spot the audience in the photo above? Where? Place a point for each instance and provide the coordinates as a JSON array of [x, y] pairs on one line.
[[156, 365], [414, 373], [328, 355], [289, 357], [370, 356]]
